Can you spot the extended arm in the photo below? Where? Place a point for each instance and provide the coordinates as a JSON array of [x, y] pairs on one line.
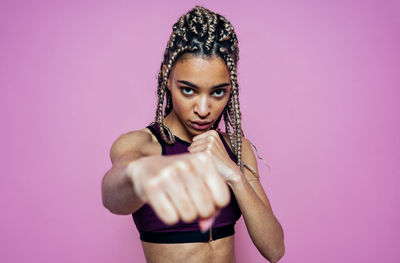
[[139, 177], [117, 188]]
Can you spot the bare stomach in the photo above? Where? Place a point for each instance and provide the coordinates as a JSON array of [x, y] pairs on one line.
[[220, 250]]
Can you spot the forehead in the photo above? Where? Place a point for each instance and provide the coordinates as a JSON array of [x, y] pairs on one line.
[[205, 71]]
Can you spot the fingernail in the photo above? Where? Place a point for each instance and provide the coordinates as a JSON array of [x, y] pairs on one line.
[[205, 223]]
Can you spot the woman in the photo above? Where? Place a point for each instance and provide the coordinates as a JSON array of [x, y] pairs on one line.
[[185, 182]]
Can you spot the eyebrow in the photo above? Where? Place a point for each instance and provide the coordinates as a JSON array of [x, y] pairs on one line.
[[196, 87]]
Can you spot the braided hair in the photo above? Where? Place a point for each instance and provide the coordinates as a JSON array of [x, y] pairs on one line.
[[201, 32]]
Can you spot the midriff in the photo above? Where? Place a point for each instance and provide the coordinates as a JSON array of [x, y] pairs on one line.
[[215, 251]]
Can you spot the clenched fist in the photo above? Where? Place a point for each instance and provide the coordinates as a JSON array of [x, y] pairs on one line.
[[183, 186]]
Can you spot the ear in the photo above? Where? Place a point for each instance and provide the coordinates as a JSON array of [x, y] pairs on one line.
[[164, 68]]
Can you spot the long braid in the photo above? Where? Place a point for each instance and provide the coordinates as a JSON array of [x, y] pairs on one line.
[[238, 130], [201, 32], [228, 130], [161, 92]]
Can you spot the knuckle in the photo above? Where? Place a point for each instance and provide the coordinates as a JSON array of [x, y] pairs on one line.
[[208, 150], [168, 173], [151, 185], [202, 157], [168, 169], [181, 164], [213, 132]]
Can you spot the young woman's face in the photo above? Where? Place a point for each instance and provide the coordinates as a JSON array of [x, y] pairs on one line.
[[200, 89]]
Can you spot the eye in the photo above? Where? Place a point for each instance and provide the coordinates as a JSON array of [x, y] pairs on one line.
[[187, 91], [219, 93]]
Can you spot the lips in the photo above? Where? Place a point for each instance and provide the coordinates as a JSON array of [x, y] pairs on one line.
[[201, 125]]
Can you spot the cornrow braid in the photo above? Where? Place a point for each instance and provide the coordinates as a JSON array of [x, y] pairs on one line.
[[201, 32], [237, 128]]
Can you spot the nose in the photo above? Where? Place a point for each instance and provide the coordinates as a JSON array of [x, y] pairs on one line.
[[202, 106]]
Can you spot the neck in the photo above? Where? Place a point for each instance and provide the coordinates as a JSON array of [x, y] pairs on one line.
[[176, 127]]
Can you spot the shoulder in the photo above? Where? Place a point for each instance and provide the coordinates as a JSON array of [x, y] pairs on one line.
[[246, 145], [248, 155], [133, 141]]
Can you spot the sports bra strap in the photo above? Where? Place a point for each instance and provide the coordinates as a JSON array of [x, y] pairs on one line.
[[156, 133]]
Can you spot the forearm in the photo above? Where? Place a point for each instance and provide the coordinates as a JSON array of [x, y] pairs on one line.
[[263, 227], [118, 192]]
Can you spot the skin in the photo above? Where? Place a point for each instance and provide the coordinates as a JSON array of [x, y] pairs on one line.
[[196, 104], [162, 181]]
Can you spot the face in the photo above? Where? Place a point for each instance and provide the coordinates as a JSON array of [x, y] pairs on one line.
[[200, 89]]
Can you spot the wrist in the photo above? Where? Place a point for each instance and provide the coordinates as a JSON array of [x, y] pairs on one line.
[[237, 180]]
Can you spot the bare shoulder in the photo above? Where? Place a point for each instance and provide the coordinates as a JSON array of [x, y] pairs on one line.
[[249, 160], [248, 155], [138, 143]]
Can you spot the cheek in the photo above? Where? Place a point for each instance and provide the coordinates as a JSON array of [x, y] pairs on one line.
[[180, 104], [221, 106]]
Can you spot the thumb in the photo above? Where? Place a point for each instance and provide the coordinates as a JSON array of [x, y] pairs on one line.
[[206, 223]]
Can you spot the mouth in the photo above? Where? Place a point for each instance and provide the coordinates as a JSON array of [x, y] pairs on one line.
[[201, 126]]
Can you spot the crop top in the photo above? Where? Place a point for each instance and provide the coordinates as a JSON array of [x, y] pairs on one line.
[[152, 229]]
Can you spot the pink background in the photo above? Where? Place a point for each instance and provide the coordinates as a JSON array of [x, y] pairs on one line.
[[319, 84]]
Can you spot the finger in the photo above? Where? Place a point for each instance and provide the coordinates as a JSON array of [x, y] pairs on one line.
[[199, 142], [217, 157], [205, 142], [206, 223], [214, 181], [163, 207], [178, 193], [198, 191], [215, 214], [198, 148], [203, 135], [211, 134]]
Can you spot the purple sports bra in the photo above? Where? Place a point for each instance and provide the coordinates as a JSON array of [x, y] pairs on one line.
[[152, 229]]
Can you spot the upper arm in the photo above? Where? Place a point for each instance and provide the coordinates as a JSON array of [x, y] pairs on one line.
[[249, 158], [128, 147]]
